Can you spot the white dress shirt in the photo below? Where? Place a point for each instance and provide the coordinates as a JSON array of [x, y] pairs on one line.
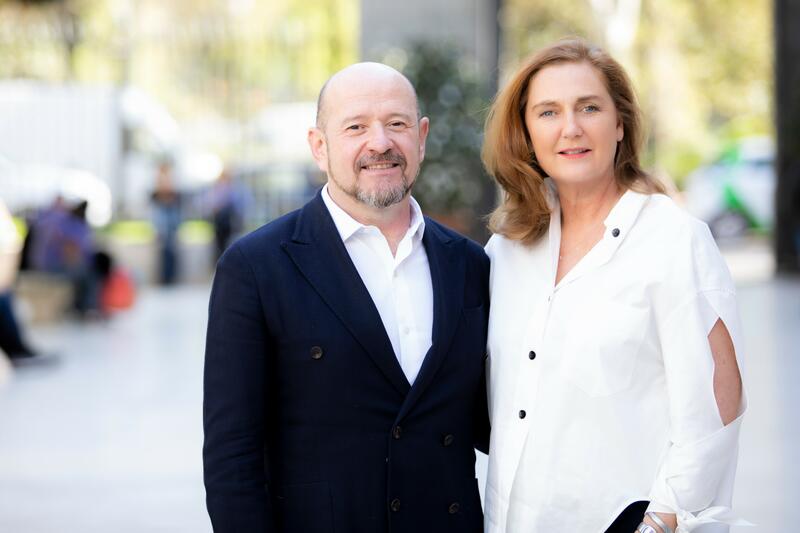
[[601, 387], [400, 285]]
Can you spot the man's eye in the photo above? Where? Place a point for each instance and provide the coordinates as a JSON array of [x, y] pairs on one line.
[[397, 124], [548, 113], [591, 108], [354, 127]]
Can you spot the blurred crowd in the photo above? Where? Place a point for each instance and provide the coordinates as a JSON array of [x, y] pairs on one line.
[[56, 246]]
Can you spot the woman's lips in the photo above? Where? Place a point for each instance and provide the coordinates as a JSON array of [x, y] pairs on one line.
[[574, 153]]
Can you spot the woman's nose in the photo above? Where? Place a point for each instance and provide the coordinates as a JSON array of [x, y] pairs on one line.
[[572, 127]]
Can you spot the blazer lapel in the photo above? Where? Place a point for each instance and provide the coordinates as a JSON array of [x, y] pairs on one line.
[[319, 253], [448, 272]]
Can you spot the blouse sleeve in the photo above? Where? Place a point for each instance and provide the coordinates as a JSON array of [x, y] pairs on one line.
[[695, 478]]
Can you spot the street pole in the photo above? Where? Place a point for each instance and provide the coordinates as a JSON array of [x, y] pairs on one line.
[[787, 121]]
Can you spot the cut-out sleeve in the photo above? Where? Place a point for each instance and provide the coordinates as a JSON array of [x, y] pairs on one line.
[[695, 478]]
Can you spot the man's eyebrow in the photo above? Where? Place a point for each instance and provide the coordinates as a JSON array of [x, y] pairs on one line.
[[360, 117], [404, 116], [581, 99], [352, 118]]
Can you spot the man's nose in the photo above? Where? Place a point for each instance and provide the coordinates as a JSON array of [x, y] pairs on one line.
[[572, 127], [378, 141]]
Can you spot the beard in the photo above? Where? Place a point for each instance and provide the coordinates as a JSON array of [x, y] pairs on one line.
[[384, 193]]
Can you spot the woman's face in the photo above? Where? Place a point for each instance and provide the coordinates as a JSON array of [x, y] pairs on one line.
[[573, 124]]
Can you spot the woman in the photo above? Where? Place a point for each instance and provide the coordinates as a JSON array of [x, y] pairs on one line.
[[613, 334]]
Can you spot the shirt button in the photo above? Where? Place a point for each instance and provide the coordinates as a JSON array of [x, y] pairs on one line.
[[615, 232], [448, 440], [531, 355], [395, 505], [397, 432], [316, 352], [522, 413], [454, 507]]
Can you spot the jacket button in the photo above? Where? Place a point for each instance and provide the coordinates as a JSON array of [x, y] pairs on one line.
[[316, 352], [531, 355], [615, 232], [397, 431], [448, 440], [522, 413], [454, 507], [395, 505]]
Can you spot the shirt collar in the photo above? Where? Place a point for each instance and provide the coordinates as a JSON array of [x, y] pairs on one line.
[[347, 226], [625, 211], [622, 215]]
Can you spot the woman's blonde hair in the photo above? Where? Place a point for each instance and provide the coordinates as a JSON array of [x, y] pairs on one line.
[[508, 156]]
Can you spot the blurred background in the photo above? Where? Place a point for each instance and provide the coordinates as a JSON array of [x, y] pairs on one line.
[[138, 138]]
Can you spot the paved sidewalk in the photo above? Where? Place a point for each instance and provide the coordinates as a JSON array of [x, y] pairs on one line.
[[107, 438]]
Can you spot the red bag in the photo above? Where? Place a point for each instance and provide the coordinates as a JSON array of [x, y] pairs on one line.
[[119, 292]]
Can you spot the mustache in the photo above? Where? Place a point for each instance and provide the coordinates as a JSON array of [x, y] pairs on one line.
[[388, 157]]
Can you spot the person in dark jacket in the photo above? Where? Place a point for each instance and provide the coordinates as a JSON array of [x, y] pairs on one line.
[[345, 352]]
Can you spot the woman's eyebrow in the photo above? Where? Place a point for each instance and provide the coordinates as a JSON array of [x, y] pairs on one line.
[[579, 100]]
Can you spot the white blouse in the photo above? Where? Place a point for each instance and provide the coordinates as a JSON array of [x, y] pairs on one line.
[[601, 387]]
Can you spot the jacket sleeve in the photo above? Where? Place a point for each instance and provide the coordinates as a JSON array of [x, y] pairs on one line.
[[483, 428], [695, 478], [234, 401]]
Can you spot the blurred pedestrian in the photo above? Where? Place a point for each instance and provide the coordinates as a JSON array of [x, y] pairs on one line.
[[11, 337], [42, 252], [167, 217], [227, 200], [63, 244]]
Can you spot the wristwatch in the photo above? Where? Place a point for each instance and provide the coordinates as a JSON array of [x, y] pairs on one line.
[[644, 528]]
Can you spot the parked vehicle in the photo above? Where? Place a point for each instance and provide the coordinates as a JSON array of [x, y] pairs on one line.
[[736, 193], [118, 135], [36, 185]]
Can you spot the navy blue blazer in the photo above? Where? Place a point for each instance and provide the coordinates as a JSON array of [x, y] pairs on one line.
[[310, 424]]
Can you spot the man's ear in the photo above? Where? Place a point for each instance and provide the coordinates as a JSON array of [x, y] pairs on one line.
[[319, 149], [424, 128]]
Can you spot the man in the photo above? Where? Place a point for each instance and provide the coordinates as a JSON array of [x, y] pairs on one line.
[[344, 379]]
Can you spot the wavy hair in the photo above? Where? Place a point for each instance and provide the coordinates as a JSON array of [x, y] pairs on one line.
[[523, 213]]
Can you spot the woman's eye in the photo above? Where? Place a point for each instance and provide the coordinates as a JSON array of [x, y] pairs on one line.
[[591, 108], [548, 113]]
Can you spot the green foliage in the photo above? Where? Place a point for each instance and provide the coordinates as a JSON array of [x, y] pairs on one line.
[[455, 100], [200, 57]]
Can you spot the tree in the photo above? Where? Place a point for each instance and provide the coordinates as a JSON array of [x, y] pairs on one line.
[[452, 180]]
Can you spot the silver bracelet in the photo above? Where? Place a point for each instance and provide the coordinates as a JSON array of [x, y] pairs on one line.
[[660, 523], [645, 528]]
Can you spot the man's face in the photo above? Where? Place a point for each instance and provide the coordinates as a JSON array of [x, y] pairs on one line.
[[370, 141]]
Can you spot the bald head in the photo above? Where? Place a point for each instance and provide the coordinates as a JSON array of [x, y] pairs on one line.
[[357, 78]]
